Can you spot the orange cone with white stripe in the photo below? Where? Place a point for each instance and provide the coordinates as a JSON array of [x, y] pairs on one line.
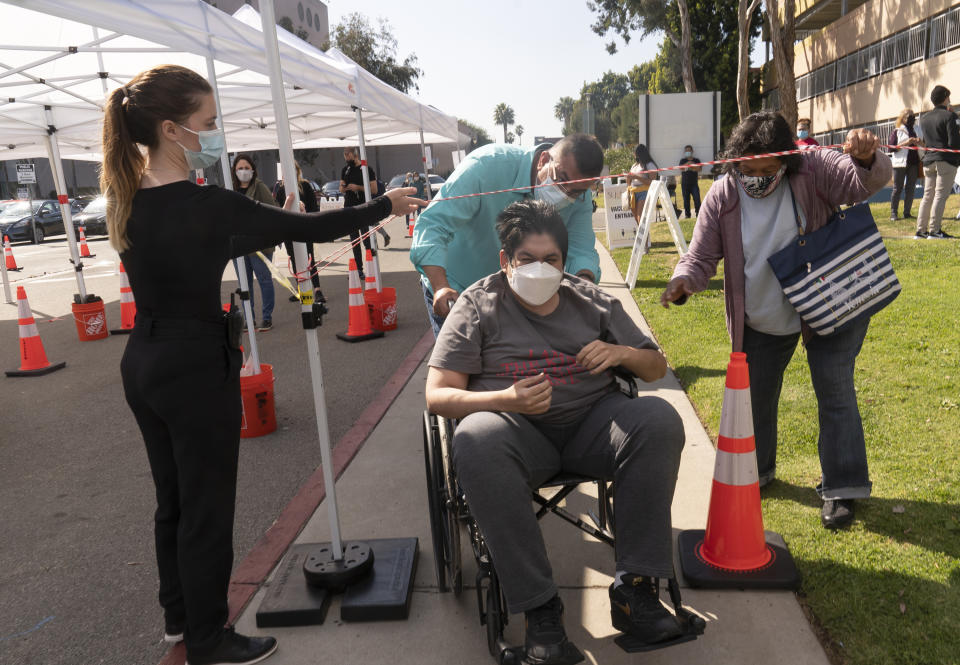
[[84, 250], [128, 308], [735, 550], [33, 359], [8, 255], [370, 279], [359, 328]]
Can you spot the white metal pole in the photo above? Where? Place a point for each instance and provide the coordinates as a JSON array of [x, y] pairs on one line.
[[366, 191], [56, 166], [6, 279], [426, 166], [268, 19], [241, 261]]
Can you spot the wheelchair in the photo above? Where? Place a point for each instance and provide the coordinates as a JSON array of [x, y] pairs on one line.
[[449, 514]]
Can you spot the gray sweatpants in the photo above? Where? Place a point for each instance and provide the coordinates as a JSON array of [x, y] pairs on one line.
[[500, 457]]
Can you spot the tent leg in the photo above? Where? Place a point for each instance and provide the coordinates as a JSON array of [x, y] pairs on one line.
[[53, 150]]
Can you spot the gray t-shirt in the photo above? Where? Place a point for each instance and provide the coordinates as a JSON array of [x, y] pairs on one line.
[[497, 341]]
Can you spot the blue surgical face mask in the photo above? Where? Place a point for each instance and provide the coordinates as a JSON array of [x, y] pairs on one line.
[[550, 193], [802, 133], [688, 153], [211, 147]]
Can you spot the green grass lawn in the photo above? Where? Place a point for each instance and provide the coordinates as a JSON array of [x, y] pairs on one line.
[[887, 590]]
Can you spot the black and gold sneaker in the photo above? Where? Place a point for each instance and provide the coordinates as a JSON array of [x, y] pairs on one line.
[[635, 609], [545, 641]]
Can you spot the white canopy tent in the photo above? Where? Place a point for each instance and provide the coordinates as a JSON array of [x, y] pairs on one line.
[[57, 68]]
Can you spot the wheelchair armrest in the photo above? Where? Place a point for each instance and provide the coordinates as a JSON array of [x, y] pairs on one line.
[[626, 382]]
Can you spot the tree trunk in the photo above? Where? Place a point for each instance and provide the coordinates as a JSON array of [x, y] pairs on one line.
[[744, 12], [783, 36], [504, 132], [686, 61]]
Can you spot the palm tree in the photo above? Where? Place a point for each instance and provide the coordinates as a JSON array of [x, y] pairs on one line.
[[563, 109], [519, 131], [503, 115]]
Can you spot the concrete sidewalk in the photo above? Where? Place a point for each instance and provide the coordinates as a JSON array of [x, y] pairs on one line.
[[382, 494]]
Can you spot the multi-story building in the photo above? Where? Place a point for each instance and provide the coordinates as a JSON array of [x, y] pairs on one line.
[[860, 62]]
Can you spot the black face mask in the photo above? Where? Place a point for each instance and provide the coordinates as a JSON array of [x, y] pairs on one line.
[[910, 120]]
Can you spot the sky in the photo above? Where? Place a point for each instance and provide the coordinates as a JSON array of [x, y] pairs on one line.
[[476, 54]]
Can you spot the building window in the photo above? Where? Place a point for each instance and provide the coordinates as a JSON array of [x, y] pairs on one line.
[[300, 10], [309, 18]]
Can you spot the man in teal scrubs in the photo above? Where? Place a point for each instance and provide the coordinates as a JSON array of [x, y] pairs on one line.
[[455, 242]]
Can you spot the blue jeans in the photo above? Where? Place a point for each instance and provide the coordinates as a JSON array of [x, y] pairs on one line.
[[842, 449], [255, 265], [436, 322]]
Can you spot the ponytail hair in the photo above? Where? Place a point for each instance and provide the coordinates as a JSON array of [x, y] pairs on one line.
[[132, 117]]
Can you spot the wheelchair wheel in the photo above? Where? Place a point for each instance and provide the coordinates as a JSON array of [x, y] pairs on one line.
[[495, 615], [443, 500]]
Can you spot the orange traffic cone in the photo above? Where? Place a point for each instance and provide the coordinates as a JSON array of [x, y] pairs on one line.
[[33, 359], [411, 218], [84, 250], [370, 280], [8, 255], [128, 308], [359, 328], [734, 551]]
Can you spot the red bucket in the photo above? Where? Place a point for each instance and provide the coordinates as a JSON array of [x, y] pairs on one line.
[[91, 320], [256, 393], [383, 308]]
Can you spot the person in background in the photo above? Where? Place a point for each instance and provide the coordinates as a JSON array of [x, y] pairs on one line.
[[455, 241], [906, 162], [245, 181], [747, 216], [939, 130], [309, 201], [181, 365], [638, 182], [689, 181], [803, 134], [351, 184]]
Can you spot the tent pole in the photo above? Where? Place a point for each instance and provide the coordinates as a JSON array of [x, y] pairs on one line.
[[366, 191], [426, 167], [56, 165], [272, 51], [241, 260]]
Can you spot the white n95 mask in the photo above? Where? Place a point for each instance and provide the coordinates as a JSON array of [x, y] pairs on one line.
[[535, 283]]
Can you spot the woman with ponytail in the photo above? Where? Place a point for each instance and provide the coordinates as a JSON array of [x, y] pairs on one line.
[[181, 366]]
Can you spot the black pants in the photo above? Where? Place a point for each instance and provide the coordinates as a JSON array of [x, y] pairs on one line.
[[358, 254], [184, 390], [690, 190], [314, 275]]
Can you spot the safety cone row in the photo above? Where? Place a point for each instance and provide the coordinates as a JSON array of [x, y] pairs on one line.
[[735, 551], [84, 250], [128, 308], [33, 359], [358, 328], [8, 254]]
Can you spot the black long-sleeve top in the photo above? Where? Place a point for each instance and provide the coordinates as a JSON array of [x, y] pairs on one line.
[[183, 235]]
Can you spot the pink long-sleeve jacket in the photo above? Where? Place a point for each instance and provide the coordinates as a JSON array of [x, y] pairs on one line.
[[826, 180]]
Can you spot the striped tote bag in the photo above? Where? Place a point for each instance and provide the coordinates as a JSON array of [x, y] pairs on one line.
[[837, 273]]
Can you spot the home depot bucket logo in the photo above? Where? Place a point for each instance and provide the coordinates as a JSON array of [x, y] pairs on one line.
[[95, 323], [390, 315]]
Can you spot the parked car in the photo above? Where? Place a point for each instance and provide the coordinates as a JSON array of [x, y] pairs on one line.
[[21, 222], [435, 183], [331, 190], [93, 217]]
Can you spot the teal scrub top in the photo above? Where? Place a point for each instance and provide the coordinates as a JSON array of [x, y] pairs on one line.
[[461, 236]]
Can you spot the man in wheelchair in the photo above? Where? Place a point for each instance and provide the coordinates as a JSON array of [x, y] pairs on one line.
[[525, 361]]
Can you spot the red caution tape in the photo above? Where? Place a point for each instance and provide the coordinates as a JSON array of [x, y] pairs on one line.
[[62, 198]]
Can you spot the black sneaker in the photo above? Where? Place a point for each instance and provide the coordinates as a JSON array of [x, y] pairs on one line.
[[907, 215], [173, 631], [236, 649], [545, 640], [635, 609], [893, 217], [920, 235], [836, 513], [939, 235], [386, 239], [266, 325]]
